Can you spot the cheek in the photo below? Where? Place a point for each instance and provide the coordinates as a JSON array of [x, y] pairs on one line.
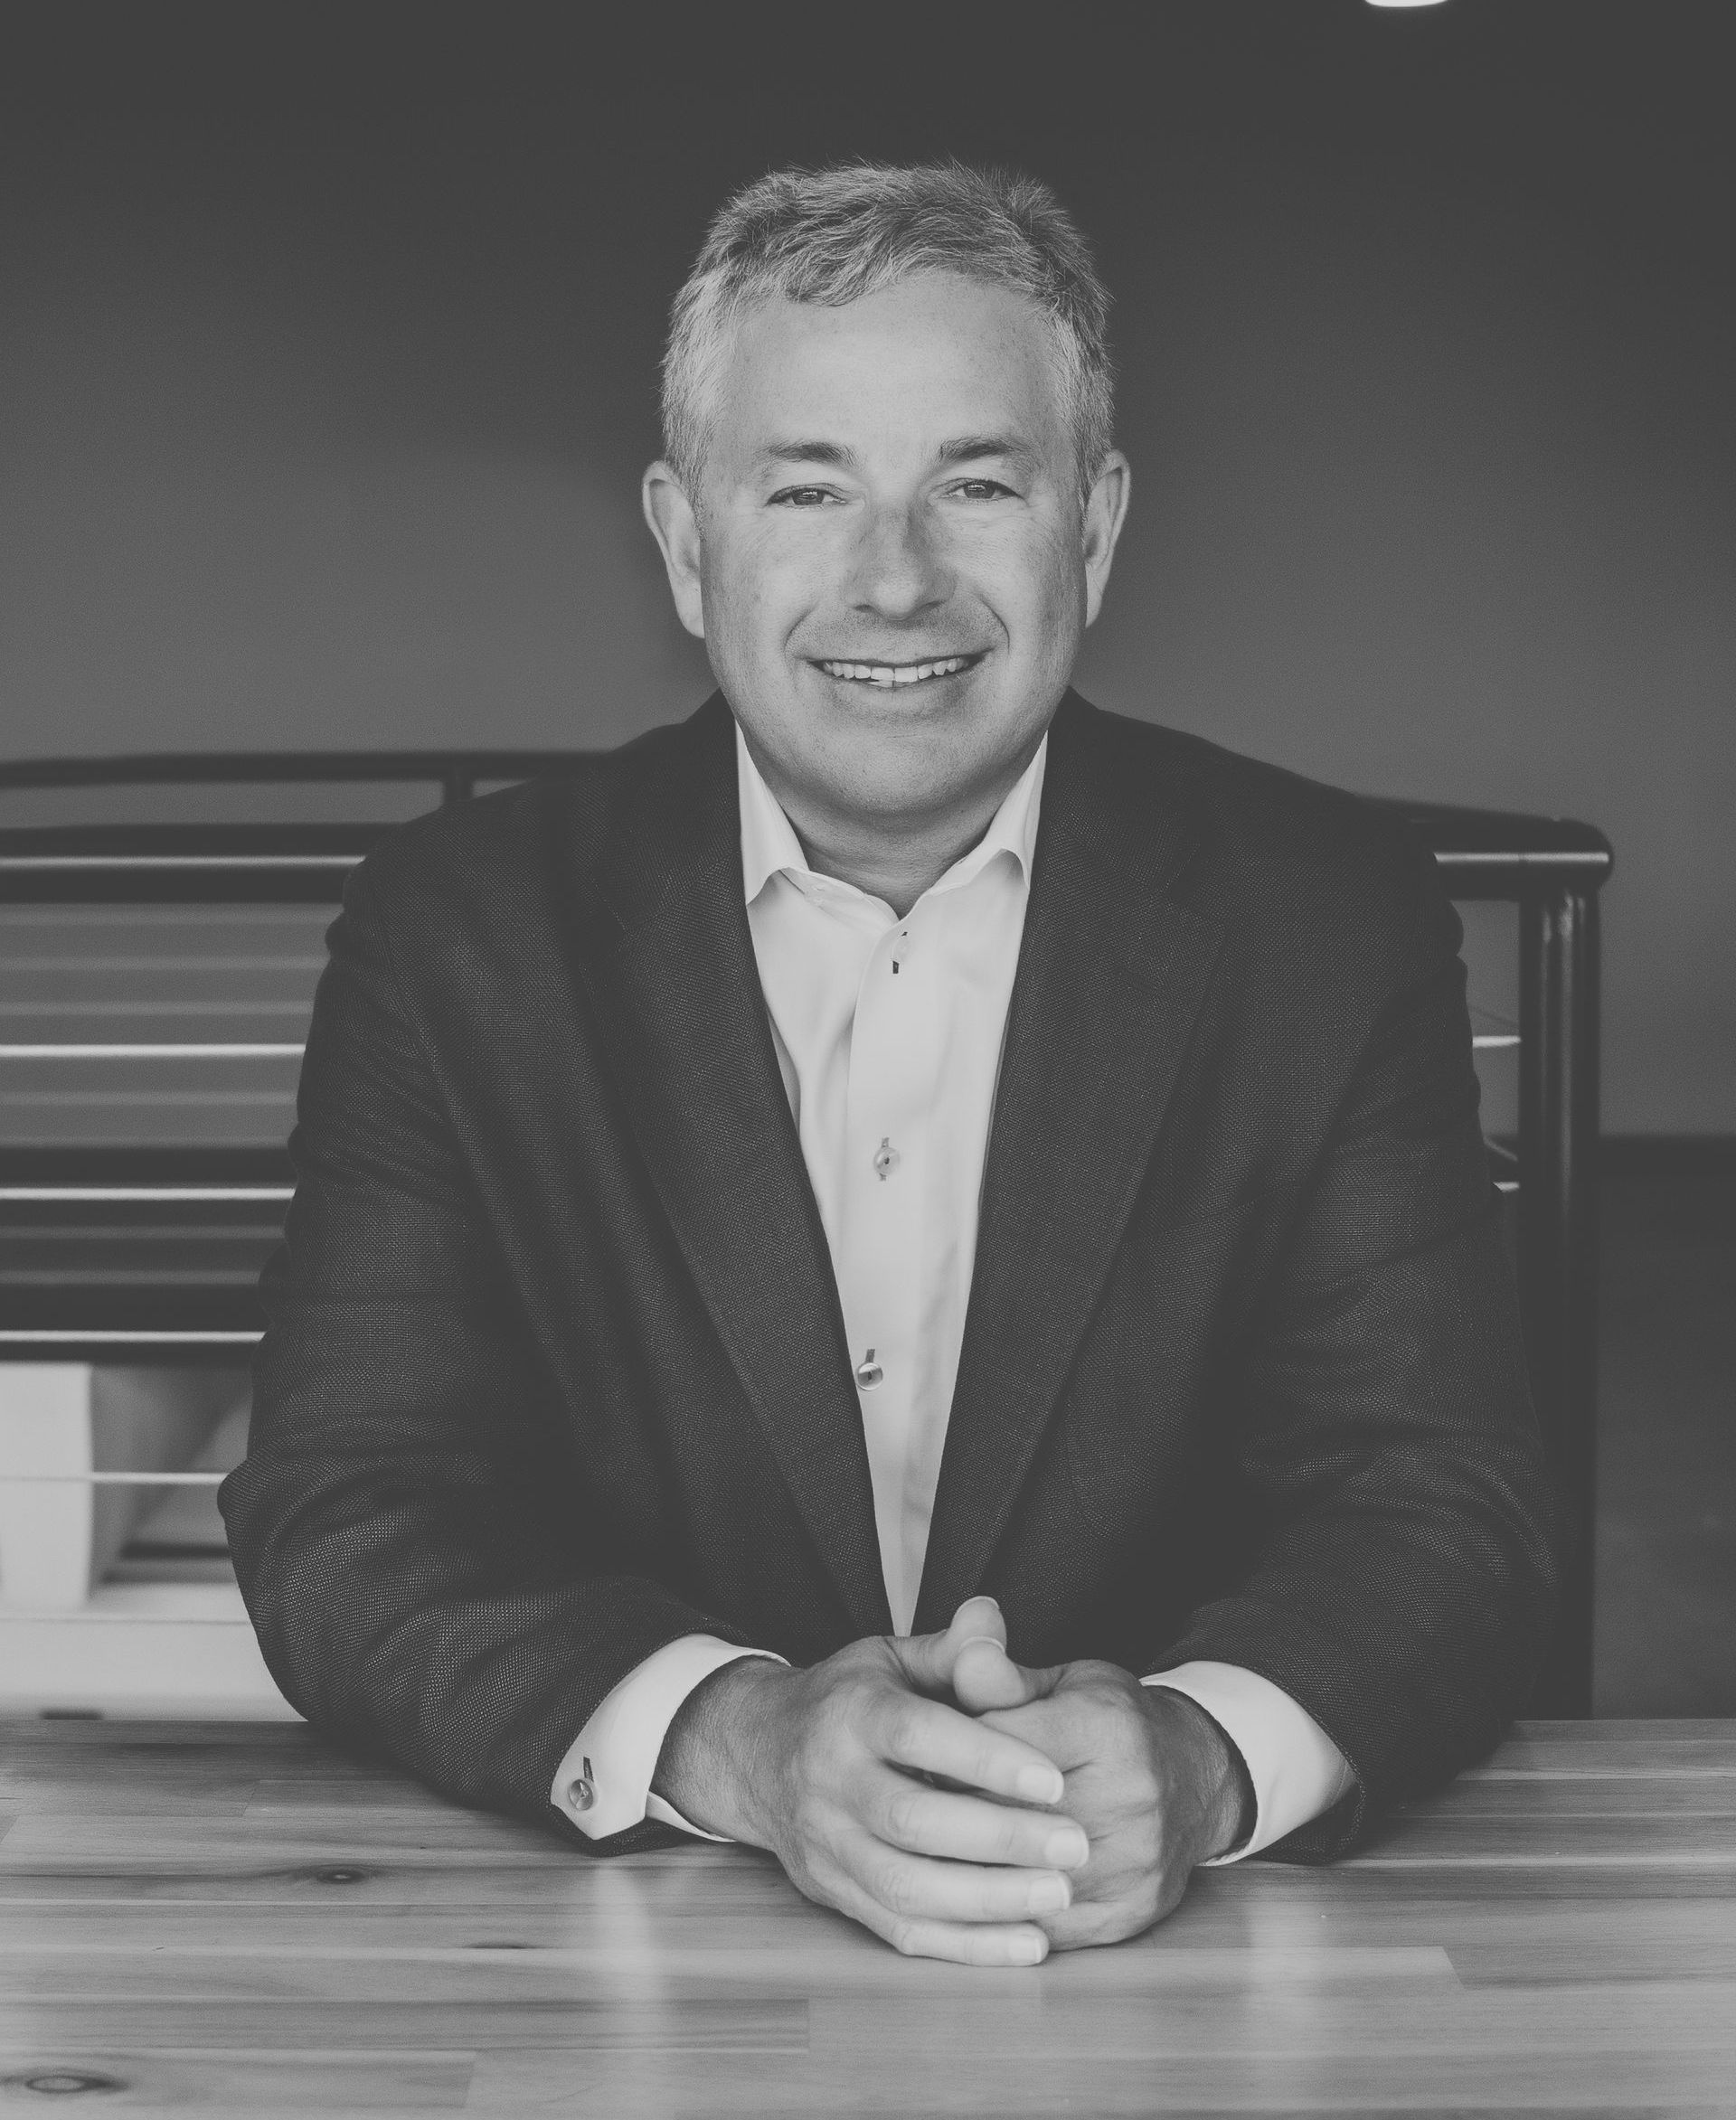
[[1035, 584], [759, 591], [735, 609]]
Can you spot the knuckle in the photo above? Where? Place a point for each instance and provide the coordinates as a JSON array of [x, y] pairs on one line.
[[903, 1737], [988, 1765], [900, 1890], [904, 1814], [904, 1938], [807, 1826], [988, 1901]]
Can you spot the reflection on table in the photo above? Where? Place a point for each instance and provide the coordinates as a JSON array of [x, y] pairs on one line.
[[238, 1917]]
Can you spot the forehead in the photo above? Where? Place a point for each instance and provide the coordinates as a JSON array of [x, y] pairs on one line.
[[935, 356]]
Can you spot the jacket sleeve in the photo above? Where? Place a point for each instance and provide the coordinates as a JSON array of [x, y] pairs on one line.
[[414, 1542], [1404, 1585]]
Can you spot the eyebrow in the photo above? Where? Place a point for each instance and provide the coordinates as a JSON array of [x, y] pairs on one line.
[[968, 448], [833, 453]]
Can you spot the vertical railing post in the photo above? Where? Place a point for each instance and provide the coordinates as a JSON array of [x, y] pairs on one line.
[[1558, 1246]]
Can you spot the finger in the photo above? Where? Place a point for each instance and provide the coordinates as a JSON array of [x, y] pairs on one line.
[[1108, 1916], [970, 1662], [929, 1659], [924, 1935], [985, 1677], [917, 1889], [926, 1736], [979, 1618], [969, 1944], [1057, 1727], [924, 1821]]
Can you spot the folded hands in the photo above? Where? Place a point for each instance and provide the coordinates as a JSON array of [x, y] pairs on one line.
[[958, 1803]]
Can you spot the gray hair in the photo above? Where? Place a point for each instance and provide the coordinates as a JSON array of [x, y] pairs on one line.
[[831, 236]]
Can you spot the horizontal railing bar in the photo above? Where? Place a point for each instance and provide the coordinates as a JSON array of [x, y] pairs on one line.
[[1447, 857], [153, 1008], [122, 913], [1481, 1042], [151, 1096], [277, 768], [112, 1281], [108, 1617], [36, 864], [112, 1479], [1541, 857], [93, 1193], [105, 1336], [461, 771], [198, 1050], [143, 965], [1450, 859]]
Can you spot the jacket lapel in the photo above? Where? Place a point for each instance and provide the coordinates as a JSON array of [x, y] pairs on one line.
[[667, 956], [1111, 976]]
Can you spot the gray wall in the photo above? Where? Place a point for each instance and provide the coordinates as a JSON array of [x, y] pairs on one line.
[[326, 348]]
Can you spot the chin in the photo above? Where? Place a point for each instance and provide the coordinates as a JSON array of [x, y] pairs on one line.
[[894, 778]]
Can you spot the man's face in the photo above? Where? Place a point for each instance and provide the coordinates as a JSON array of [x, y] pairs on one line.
[[889, 558]]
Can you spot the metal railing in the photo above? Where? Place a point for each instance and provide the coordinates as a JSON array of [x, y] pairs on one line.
[[1550, 869]]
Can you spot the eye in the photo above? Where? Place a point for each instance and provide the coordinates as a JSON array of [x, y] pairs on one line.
[[800, 497], [983, 489]]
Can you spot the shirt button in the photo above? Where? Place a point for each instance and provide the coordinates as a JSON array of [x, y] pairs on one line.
[[886, 1159], [582, 1794], [868, 1372]]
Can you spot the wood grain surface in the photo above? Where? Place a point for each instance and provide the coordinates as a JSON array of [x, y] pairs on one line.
[[235, 1919]]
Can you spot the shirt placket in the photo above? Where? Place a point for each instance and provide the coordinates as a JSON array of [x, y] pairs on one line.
[[890, 1112]]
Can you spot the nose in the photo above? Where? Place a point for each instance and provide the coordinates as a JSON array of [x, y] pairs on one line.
[[897, 573]]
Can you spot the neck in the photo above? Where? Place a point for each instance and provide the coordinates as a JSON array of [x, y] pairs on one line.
[[896, 859], [896, 867]]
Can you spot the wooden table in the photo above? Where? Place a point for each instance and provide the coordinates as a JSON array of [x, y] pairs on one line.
[[234, 1917]]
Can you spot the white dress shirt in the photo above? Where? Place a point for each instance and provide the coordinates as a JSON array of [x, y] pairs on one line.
[[887, 1033]]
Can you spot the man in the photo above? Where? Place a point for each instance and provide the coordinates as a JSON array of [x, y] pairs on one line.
[[903, 1271]]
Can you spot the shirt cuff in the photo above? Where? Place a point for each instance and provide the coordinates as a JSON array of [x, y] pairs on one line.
[[603, 1784], [1297, 1771]]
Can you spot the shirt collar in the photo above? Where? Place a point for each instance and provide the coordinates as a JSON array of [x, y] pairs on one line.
[[769, 846]]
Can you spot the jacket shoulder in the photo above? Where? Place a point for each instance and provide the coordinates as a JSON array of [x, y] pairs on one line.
[[513, 838], [1270, 845]]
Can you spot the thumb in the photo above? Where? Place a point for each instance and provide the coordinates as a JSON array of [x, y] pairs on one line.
[[970, 1662]]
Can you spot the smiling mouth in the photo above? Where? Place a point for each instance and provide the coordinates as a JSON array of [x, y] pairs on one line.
[[888, 675]]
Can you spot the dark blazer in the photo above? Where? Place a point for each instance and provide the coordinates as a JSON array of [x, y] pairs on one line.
[[555, 1369]]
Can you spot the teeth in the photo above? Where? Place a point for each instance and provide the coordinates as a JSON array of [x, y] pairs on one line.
[[888, 675]]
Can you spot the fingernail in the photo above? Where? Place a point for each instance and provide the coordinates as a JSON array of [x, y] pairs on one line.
[[1040, 1785], [1049, 1895], [1025, 1950], [1067, 1849]]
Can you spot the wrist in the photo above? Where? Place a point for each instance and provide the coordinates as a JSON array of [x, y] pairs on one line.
[[709, 1767], [1225, 1789]]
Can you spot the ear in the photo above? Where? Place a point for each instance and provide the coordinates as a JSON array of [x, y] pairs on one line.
[[1105, 509], [676, 526]]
